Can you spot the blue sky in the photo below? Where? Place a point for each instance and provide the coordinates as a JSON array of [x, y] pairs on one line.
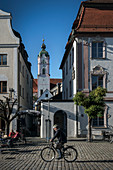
[[38, 19]]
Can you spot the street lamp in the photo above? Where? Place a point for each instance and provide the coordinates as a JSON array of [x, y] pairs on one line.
[[11, 90]]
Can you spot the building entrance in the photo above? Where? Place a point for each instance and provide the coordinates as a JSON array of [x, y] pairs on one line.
[[60, 118]]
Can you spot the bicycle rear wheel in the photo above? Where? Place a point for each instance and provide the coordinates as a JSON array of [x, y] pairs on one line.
[[70, 154], [48, 154]]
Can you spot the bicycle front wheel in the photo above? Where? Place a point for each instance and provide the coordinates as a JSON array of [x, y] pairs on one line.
[[48, 154], [70, 154]]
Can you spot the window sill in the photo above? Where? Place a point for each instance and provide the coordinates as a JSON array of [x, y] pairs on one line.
[[4, 66], [99, 127], [97, 58]]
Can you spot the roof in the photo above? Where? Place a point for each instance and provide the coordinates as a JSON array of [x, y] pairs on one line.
[[43, 51], [93, 18], [35, 85], [53, 83]]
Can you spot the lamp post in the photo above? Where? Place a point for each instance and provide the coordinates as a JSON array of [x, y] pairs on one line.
[[48, 124], [11, 90]]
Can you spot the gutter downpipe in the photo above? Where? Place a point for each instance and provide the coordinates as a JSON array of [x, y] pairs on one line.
[[76, 86]]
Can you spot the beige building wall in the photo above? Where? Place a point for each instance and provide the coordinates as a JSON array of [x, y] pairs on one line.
[[11, 45]]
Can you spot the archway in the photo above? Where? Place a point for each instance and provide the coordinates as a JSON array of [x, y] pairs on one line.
[[60, 118]]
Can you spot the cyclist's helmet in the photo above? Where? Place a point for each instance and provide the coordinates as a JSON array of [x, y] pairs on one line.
[[55, 126]]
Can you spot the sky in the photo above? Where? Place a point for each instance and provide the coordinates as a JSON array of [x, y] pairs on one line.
[[36, 20]]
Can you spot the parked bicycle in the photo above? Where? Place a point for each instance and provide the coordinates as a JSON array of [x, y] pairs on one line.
[[108, 134], [69, 153]]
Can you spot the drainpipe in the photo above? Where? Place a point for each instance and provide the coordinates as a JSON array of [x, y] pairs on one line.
[[76, 87]]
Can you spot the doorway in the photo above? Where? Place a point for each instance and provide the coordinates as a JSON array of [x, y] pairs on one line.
[[60, 118]]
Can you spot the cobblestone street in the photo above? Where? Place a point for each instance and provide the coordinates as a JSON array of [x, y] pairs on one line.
[[91, 156]]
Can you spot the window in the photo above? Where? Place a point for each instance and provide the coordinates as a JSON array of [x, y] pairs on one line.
[[20, 66], [98, 121], [72, 56], [97, 80], [3, 86], [43, 71], [41, 92], [23, 93], [27, 79], [98, 77], [97, 49], [70, 60], [66, 93], [20, 91], [23, 70], [46, 95], [67, 67], [70, 92], [64, 73], [3, 59], [101, 121], [27, 97]]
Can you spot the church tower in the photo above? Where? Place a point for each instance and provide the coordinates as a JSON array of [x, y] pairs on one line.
[[43, 71]]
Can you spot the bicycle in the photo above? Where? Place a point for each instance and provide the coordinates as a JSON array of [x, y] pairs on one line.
[[68, 153]]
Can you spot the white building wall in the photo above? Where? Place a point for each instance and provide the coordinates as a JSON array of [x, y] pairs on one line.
[[67, 107], [75, 67], [9, 44], [107, 65]]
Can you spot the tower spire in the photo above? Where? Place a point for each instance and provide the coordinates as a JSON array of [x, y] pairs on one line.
[[43, 45]]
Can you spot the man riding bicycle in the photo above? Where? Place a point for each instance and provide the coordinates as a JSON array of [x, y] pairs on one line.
[[61, 139]]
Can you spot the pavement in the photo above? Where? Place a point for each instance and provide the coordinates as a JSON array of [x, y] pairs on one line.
[[96, 155]]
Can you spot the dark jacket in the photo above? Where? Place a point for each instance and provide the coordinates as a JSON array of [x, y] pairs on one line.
[[60, 136]]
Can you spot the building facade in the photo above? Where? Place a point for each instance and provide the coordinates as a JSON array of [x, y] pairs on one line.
[[86, 64], [15, 69]]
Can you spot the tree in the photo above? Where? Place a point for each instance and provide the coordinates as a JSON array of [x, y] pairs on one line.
[[93, 105], [6, 111]]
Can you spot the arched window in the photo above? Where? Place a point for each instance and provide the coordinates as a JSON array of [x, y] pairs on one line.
[[43, 71]]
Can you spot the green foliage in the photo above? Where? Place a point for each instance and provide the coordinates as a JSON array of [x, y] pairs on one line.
[[94, 103]]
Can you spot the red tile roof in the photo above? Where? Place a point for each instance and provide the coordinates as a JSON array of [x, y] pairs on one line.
[[95, 20], [53, 82], [35, 85], [94, 17]]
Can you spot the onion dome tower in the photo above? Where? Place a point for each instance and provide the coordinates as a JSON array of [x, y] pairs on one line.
[[43, 70]]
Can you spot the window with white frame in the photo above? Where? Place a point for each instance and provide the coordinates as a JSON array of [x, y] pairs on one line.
[[99, 121], [98, 50], [102, 120], [3, 59], [97, 80], [98, 77]]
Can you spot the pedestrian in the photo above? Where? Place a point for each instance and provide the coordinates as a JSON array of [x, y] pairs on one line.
[[60, 135], [12, 134]]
